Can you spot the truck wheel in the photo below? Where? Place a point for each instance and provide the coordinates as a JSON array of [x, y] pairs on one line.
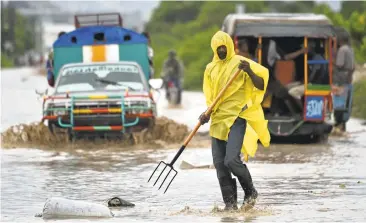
[[321, 138]]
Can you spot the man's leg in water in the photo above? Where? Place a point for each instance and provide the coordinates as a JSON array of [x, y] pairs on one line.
[[166, 82], [227, 183], [179, 86], [235, 164]]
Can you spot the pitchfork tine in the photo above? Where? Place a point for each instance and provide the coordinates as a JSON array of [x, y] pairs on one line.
[[165, 178], [154, 171], [160, 175], [171, 180]]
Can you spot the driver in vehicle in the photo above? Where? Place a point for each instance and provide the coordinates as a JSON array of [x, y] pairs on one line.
[[173, 71]]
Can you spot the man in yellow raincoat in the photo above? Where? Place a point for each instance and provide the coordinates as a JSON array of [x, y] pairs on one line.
[[237, 121]]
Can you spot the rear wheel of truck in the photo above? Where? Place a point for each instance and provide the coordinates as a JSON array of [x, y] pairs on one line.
[[321, 138]]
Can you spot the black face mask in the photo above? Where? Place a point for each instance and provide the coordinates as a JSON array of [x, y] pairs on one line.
[[222, 52]]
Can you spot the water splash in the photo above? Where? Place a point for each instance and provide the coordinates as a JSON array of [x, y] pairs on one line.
[[165, 133], [218, 212]]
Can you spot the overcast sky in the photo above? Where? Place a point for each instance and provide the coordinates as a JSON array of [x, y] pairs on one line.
[[146, 7]]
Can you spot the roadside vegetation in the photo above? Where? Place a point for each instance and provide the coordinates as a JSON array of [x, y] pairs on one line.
[[359, 99], [17, 36]]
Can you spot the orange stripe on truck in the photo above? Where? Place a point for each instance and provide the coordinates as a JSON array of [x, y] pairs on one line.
[[99, 53]]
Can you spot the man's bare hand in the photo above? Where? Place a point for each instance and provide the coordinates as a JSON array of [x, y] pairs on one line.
[[204, 118], [244, 66], [257, 81]]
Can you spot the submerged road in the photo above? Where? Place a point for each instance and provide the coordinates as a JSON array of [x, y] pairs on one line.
[[313, 183]]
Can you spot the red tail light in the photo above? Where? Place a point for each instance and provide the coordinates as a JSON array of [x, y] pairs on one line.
[[170, 84]]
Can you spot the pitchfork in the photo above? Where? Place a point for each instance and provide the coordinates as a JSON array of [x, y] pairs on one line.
[[170, 165]]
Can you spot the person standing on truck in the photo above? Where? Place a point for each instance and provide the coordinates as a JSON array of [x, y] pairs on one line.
[[173, 71], [50, 64], [344, 66], [236, 117]]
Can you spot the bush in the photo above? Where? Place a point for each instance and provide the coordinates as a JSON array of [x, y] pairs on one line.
[[6, 61], [359, 99]]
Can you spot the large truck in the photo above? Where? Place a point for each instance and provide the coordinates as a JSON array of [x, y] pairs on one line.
[[102, 76]]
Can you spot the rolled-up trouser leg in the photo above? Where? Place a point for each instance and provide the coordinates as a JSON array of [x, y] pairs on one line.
[[232, 157]]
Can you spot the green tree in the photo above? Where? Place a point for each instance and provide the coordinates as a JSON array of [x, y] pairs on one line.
[[355, 25], [348, 7], [291, 7], [17, 30], [6, 61]]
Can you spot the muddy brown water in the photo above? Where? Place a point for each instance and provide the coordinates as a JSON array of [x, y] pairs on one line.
[[313, 183]]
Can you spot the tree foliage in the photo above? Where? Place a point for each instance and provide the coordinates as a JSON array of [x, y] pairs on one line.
[[355, 24], [187, 27], [359, 99], [291, 6], [17, 30], [348, 7]]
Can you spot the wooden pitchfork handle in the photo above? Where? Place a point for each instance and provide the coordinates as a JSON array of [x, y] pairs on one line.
[[208, 112]]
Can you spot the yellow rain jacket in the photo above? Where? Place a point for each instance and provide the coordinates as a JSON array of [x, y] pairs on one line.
[[240, 93]]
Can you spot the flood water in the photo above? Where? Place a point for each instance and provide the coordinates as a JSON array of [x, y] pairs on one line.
[[312, 183]]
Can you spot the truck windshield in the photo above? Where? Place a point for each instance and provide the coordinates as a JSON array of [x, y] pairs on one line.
[[100, 77]]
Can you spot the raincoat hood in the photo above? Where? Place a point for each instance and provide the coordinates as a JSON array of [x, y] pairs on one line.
[[222, 39]]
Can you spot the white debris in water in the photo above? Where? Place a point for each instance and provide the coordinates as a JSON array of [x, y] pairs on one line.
[[57, 207]]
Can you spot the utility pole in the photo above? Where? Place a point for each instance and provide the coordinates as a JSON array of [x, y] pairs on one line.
[[11, 20], [3, 37], [240, 8]]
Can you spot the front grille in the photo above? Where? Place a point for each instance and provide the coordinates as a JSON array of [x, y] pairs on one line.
[[109, 105], [130, 108]]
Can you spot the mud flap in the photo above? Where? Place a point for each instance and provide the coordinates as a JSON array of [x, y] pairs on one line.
[[279, 128]]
